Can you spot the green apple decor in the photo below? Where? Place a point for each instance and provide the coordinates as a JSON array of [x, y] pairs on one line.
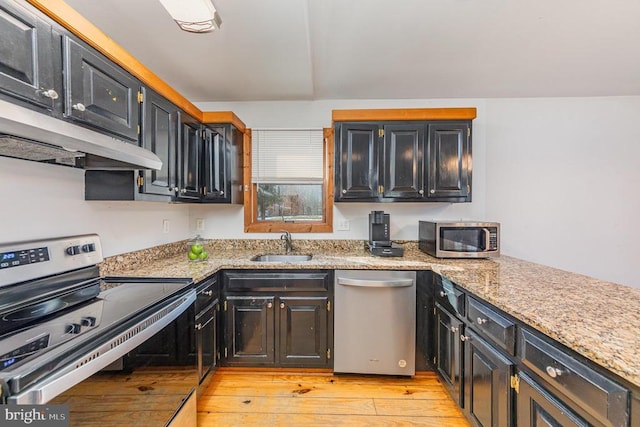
[[196, 250]]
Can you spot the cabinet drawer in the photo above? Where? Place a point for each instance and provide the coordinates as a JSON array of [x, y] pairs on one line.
[[493, 325], [206, 292], [280, 281], [448, 295], [596, 394]]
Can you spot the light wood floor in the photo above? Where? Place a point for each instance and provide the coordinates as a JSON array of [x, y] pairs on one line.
[[276, 398]]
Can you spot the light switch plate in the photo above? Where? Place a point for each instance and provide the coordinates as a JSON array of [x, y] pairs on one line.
[[343, 225], [200, 224]]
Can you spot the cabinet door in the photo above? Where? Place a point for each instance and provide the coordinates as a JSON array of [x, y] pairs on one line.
[[449, 161], [250, 330], [206, 332], [303, 331], [26, 57], [424, 330], [356, 161], [189, 157], [98, 93], [536, 407], [159, 135], [403, 161], [215, 165], [487, 383], [449, 352]]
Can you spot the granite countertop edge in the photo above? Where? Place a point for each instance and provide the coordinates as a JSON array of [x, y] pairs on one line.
[[590, 316]]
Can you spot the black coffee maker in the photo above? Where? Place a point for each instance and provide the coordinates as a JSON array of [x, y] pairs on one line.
[[380, 236]]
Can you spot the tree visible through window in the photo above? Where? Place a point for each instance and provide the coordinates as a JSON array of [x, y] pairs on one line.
[[289, 189]]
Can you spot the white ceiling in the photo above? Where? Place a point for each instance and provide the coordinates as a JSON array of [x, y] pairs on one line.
[[374, 49]]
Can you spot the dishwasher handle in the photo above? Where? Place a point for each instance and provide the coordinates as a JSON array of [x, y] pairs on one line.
[[368, 283]]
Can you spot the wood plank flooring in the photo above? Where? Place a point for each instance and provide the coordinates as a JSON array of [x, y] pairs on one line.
[[240, 397]]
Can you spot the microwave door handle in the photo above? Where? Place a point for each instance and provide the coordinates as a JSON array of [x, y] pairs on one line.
[[487, 238]]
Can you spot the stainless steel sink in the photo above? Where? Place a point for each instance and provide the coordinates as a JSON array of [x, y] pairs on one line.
[[281, 258]]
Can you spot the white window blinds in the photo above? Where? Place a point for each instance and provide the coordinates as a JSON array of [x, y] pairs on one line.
[[287, 155]]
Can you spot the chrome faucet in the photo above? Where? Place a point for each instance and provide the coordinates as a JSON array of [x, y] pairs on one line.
[[286, 236]]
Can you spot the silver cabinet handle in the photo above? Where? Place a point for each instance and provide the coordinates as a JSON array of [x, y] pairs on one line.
[[553, 372], [481, 321], [269, 305], [281, 305], [394, 283], [443, 294], [52, 94], [79, 107]]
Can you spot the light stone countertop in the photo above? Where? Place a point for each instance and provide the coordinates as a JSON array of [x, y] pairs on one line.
[[597, 319]]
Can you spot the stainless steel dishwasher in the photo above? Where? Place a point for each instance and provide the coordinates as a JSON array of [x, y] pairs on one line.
[[375, 322]]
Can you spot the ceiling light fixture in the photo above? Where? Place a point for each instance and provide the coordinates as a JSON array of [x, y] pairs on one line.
[[195, 16]]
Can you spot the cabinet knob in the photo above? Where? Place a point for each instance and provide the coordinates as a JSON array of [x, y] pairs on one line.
[[222, 193], [281, 305], [464, 338], [443, 294], [421, 191], [553, 372], [432, 191], [198, 326], [454, 329], [52, 94], [269, 305], [208, 293], [184, 190], [344, 191], [79, 107], [481, 321]]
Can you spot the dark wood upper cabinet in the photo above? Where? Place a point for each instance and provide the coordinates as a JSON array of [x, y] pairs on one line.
[[98, 93], [222, 164], [159, 135], [356, 161], [449, 161], [28, 49], [189, 156], [403, 161]]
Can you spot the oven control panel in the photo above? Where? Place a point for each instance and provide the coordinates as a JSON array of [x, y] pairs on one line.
[[22, 261]]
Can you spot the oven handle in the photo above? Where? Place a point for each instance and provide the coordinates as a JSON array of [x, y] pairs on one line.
[[103, 355]]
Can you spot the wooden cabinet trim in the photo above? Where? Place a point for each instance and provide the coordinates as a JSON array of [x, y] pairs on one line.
[[224, 117], [468, 113], [82, 28]]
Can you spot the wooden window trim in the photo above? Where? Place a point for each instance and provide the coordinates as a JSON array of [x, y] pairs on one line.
[[251, 224]]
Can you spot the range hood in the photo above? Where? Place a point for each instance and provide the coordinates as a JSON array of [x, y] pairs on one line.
[[29, 135]]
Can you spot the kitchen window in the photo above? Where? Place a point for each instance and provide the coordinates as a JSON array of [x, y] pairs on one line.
[[290, 181]]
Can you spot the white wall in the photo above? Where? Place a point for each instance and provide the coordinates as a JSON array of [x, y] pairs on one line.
[[559, 174], [562, 178], [228, 222], [40, 200]]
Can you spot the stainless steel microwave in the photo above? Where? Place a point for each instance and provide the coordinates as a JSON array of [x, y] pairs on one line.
[[450, 239]]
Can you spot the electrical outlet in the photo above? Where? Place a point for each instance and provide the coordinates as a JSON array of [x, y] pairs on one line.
[[199, 224], [343, 225], [165, 226]]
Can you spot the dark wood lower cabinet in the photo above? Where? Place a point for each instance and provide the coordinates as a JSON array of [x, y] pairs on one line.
[[303, 331], [249, 330], [539, 408], [448, 352], [487, 383]]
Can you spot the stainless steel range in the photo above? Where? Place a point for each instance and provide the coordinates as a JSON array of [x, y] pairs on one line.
[[60, 322]]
